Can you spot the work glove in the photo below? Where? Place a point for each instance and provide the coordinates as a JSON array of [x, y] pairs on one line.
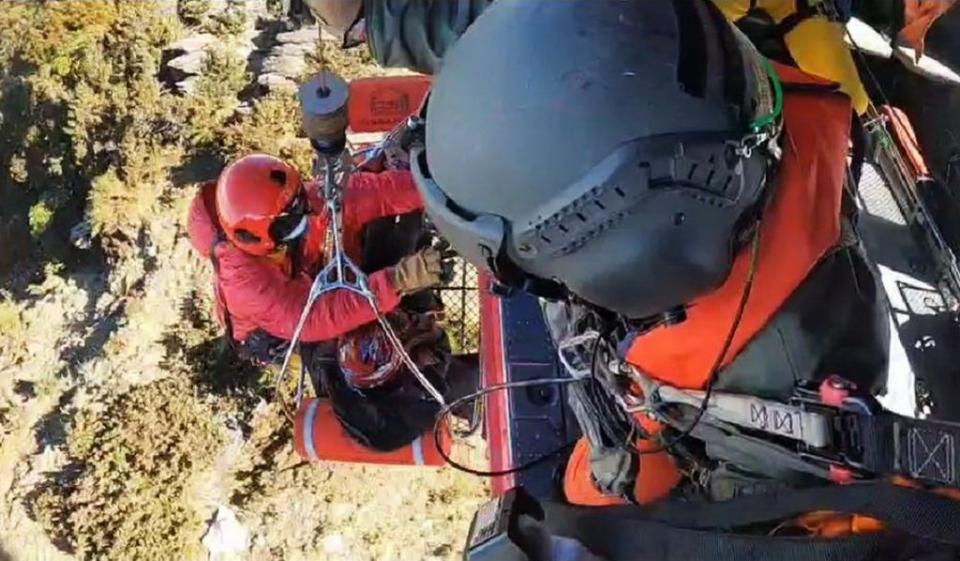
[[427, 268]]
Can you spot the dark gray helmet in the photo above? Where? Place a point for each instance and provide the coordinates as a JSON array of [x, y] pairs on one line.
[[599, 147]]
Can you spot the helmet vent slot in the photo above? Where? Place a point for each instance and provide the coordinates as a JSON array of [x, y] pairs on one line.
[[246, 236], [691, 71], [279, 177]]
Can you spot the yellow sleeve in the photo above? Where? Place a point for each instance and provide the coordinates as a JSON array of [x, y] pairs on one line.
[[818, 47], [733, 9], [816, 44]]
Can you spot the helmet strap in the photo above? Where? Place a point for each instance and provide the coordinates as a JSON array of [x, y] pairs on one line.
[[770, 120], [764, 131], [296, 256], [511, 277], [298, 231]]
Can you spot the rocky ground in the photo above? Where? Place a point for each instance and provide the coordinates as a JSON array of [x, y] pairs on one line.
[[124, 426]]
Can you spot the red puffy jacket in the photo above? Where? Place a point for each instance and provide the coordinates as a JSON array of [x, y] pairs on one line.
[[259, 292]]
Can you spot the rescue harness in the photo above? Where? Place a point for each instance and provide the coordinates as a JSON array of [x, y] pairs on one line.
[[840, 435]]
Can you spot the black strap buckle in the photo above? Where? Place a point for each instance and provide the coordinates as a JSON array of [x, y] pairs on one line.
[[836, 398]]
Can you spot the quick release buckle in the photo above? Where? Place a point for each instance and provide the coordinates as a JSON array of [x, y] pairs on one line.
[[754, 140], [836, 399], [821, 424], [787, 421]]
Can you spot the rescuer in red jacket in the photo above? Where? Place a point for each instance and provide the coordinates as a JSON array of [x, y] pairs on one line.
[[265, 231]]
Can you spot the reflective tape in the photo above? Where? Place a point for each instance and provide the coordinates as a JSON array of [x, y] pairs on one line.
[[417, 447], [308, 430], [298, 231]]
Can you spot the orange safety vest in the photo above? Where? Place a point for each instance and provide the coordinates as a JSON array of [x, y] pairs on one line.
[[800, 227]]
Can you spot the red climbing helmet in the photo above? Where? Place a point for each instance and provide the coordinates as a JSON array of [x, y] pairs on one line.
[[367, 358], [261, 203]]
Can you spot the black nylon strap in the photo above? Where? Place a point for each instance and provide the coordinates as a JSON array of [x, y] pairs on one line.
[[803, 12], [914, 512], [919, 449], [617, 538], [921, 525]]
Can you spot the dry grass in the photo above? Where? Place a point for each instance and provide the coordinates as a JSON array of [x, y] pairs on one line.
[[11, 325], [12, 331]]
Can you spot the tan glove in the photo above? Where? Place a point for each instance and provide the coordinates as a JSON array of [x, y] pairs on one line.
[[425, 269]]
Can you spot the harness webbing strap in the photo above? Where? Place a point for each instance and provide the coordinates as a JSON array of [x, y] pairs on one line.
[[227, 322], [915, 512], [883, 444], [803, 12], [919, 449], [919, 523], [308, 436], [615, 538], [864, 438]]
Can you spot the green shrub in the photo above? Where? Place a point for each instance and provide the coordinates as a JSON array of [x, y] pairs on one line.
[[40, 217], [122, 200], [193, 12], [348, 63], [106, 193], [275, 8], [130, 497], [215, 101], [85, 67], [231, 22], [272, 127], [81, 77]]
